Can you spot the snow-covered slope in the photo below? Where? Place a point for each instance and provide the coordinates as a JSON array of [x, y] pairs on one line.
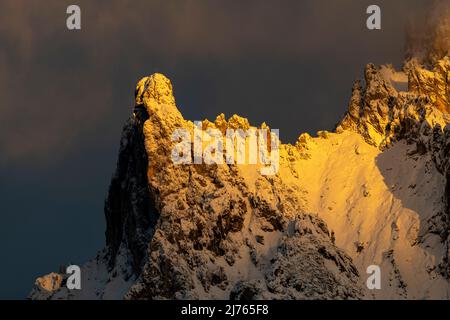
[[374, 192]]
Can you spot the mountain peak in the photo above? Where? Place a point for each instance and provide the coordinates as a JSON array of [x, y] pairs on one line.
[[393, 105], [156, 87]]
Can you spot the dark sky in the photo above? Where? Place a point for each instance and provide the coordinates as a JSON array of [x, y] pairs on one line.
[[64, 96]]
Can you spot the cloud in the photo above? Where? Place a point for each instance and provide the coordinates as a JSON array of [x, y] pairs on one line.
[[428, 35]]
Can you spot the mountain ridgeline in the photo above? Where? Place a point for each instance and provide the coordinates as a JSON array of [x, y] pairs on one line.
[[374, 191]]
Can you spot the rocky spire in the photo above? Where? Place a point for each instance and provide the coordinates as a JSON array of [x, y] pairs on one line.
[[383, 114]]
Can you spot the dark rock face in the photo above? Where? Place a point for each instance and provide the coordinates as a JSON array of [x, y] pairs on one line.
[[129, 208], [302, 263]]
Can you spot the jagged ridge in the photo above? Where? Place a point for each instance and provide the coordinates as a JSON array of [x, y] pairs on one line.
[[225, 231]]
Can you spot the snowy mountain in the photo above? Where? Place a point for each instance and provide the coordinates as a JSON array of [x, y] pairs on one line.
[[375, 191]]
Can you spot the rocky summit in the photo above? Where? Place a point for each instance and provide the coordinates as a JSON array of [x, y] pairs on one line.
[[374, 191]]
